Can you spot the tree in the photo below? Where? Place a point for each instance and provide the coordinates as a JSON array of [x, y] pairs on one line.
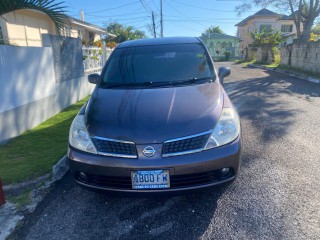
[[123, 33], [315, 32], [303, 12], [266, 38], [54, 10], [316, 28], [212, 29]]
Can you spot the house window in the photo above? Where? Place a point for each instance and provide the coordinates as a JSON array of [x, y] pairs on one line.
[[286, 28], [80, 34], [91, 37], [265, 27]]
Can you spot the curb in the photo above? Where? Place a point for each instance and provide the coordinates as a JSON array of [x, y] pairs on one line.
[[58, 171], [9, 215], [291, 74]]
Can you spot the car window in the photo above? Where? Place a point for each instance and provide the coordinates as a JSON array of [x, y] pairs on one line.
[[161, 63]]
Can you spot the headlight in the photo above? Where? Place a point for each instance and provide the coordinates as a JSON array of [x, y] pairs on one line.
[[79, 137], [226, 130]]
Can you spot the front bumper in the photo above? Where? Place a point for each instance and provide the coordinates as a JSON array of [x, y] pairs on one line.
[[187, 172]]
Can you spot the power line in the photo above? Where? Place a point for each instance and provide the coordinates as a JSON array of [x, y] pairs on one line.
[[146, 6], [155, 5], [140, 19], [204, 21], [184, 14], [133, 18], [95, 16], [107, 9], [184, 27], [199, 18], [209, 9]]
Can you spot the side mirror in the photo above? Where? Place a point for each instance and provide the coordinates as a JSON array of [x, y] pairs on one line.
[[93, 78], [223, 72]]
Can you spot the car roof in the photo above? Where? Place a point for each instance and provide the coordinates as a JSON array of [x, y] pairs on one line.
[[159, 41]]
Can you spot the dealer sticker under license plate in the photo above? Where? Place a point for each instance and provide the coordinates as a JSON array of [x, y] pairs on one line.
[[153, 179]]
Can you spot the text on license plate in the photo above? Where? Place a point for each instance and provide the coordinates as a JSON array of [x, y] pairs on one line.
[[151, 179]]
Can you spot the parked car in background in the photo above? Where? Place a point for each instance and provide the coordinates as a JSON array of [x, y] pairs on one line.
[[158, 121]]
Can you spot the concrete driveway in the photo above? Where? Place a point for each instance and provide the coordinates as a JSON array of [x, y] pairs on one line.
[[277, 194]]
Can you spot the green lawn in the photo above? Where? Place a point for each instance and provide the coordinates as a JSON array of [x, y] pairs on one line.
[[33, 153]]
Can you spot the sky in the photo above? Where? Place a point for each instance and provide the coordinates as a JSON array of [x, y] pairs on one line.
[[180, 17]]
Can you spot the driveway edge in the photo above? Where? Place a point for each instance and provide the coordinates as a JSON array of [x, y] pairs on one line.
[[297, 75], [10, 216], [58, 171]]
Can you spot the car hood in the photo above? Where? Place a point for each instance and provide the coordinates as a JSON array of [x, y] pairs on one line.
[[146, 116]]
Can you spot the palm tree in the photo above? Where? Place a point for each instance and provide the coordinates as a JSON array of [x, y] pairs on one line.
[[54, 10]]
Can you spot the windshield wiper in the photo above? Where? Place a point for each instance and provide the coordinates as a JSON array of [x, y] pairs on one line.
[[191, 80], [156, 84], [136, 84]]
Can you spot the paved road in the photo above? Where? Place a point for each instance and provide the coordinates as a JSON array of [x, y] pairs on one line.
[[277, 195]]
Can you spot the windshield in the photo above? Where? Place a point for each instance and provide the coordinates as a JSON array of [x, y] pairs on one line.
[[172, 64]]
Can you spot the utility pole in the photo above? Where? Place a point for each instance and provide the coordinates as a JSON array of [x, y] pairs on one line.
[[154, 26], [161, 19]]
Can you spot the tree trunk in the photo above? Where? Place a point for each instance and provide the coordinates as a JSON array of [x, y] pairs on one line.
[[307, 30], [296, 16]]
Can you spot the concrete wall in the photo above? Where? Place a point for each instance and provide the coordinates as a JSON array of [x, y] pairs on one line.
[[251, 53], [26, 75], [29, 91], [264, 55], [260, 54], [305, 56], [67, 55]]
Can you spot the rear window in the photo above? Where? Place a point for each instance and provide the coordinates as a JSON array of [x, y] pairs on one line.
[[161, 63]]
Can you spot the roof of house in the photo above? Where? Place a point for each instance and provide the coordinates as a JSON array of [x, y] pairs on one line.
[[219, 35], [262, 13], [91, 26]]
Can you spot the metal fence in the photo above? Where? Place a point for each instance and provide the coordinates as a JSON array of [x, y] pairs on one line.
[[94, 58]]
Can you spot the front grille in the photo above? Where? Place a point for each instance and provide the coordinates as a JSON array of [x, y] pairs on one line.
[[115, 148], [185, 145], [176, 181]]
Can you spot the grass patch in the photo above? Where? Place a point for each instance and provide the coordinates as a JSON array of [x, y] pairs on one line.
[[244, 62], [33, 153], [271, 65], [277, 64], [288, 68], [22, 200]]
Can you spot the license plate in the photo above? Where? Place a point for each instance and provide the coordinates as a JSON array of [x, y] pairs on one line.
[[153, 179]]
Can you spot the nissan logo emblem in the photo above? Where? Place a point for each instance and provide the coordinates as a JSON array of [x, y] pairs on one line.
[[149, 151]]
